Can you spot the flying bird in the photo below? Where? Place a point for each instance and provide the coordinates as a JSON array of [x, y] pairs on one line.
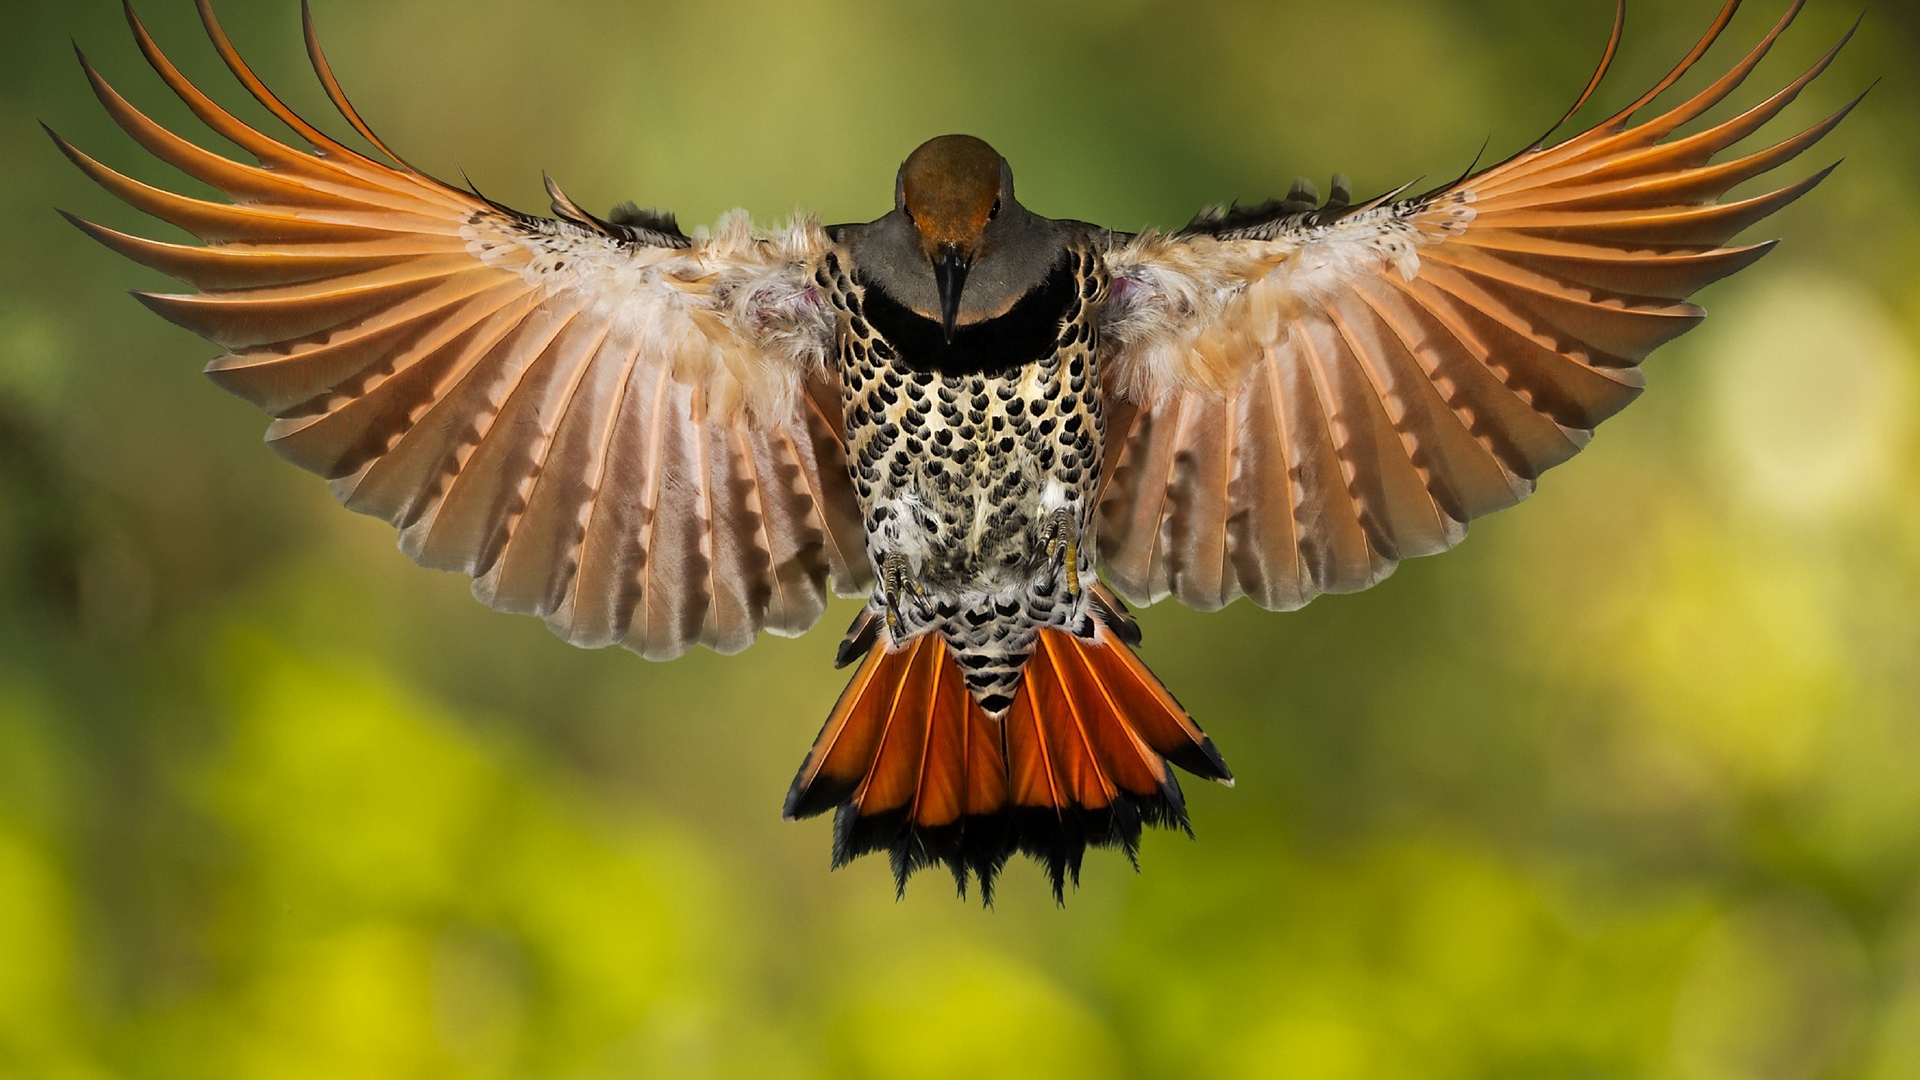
[[997, 428]]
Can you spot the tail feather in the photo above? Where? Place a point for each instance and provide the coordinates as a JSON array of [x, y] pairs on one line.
[[1115, 673], [913, 766]]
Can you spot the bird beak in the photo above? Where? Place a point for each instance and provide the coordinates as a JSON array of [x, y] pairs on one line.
[[950, 275]]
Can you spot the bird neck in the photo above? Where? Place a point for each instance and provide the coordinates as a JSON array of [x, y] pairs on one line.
[[1028, 330]]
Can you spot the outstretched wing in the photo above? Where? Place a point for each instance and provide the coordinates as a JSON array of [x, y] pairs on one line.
[[1304, 396], [628, 432]]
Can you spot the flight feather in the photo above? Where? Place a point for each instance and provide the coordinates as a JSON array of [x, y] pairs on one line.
[[1314, 394], [627, 431]]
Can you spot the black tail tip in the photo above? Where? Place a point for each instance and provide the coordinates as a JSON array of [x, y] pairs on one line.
[[978, 847], [860, 639]]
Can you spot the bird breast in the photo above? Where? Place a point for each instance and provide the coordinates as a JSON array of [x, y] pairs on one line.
[[955, 446]]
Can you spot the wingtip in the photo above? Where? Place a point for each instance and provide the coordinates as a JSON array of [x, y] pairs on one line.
[[163, 305], [133, 18], [60, 142]]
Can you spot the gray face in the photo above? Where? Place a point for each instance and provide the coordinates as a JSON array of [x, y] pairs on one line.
[[1011, 256]]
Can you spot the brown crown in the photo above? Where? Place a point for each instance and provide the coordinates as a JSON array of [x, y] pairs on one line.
[[951, 188]]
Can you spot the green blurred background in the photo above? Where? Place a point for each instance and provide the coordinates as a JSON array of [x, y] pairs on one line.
[[1626, 787]]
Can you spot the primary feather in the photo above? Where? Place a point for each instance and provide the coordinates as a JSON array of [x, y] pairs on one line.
[[627, 432], [1319, 394]]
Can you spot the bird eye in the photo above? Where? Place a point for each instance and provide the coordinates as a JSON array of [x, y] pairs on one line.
[[995, 212]]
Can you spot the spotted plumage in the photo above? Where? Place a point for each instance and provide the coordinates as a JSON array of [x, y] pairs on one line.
[[968, 459], [961, 412]]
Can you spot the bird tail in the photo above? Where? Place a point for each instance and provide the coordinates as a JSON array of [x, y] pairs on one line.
[[911, 765]]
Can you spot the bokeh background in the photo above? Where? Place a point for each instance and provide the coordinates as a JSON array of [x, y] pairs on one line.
[[1628, 786]]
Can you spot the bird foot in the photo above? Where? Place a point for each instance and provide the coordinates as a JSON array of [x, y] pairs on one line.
[[897, 583], [1062, 536]]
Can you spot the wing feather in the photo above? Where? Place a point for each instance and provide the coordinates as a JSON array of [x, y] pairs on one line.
[[820, 456], [630, 433], [1143, 487], [796, 601], [1333, 548], [487, 497], [1463, 476], [736, 565], [387, 437], [1411, 522], [1377, 376], [223, 223], [218, 269], [543, 547], [1196, 546], [675, 588], [610, 587], [1263, 531]]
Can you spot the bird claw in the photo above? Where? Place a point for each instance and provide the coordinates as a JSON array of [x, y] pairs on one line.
[[897, 583], [1063, 543]]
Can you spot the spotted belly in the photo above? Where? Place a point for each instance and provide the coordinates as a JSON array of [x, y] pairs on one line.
[[977, 479]]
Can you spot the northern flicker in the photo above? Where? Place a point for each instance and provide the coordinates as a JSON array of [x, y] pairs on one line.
[[989, 424]]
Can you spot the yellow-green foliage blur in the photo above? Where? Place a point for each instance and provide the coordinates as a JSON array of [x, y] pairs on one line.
[[1628, 786]]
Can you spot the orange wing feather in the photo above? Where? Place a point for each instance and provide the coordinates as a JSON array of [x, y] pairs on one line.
[[1349, 387], [571, 416]]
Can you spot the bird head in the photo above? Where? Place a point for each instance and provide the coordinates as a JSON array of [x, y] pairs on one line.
[[952, 190]]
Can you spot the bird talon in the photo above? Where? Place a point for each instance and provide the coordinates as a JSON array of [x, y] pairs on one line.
[[897, 582], [1063, 543]]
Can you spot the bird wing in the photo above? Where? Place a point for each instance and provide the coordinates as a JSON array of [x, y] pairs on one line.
[[628, 432], [1303, 396]]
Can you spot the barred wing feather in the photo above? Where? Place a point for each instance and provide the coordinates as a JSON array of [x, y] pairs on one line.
[[1305, 396], [631, 433]]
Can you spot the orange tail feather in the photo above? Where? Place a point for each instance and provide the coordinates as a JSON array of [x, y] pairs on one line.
[[912, 766]]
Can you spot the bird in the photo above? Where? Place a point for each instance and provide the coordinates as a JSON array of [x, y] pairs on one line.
[[996, 429]]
